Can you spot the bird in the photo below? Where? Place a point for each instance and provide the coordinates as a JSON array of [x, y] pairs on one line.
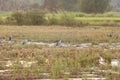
[[114, 62], [101, 61], [10, 37], [118, 36], [59, 43], [25, 41], [1, 39], [111, 34]]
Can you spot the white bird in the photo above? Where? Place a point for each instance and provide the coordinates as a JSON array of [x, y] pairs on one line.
[[27, 64], [9, 63], [101, 61], [114, 62]]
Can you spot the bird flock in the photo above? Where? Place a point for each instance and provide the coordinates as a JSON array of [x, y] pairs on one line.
[[25, 41], [58, 43]]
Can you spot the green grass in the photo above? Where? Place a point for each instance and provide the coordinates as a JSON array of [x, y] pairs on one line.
[[4, 15], [72, 19], [98, 19], [110, 18]]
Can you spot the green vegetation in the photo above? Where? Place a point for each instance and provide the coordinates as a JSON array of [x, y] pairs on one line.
[[37, 17], [33, 17], [94, 6], [66, 5], [70, 5]]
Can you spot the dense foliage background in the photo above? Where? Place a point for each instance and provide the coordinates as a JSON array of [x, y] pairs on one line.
[[69, 5]]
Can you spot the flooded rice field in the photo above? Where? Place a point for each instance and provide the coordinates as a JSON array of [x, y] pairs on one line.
[[97, 72], [78, 46]]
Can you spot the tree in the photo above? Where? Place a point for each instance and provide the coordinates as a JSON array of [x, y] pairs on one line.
[[4, 5], [8, 5], [115, 5], [94, 6], [70, 5], [51, 5]]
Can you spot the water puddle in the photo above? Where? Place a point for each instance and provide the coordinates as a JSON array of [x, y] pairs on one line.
[[61, 44], [78, 46], [86, 75], [23, 63], [76, 79]]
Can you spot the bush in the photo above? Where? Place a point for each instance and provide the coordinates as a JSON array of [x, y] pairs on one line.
[[64, 19], [36, 17], [19, 17], [67, 18], [1, 21], [10, 21], [53, 19], [31, 17]]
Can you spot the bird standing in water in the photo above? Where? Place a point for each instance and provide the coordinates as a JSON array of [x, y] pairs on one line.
[[25, 41], [59, 43]]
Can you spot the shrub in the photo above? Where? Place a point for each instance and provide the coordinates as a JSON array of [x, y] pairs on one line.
[[1, 21], [53, 19], [67, 18], [10, 21], [36, 17], [30, 17], [19, 17]]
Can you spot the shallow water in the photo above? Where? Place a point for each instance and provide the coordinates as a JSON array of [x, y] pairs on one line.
[[78, 46], [82, 45], [76, 79]]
